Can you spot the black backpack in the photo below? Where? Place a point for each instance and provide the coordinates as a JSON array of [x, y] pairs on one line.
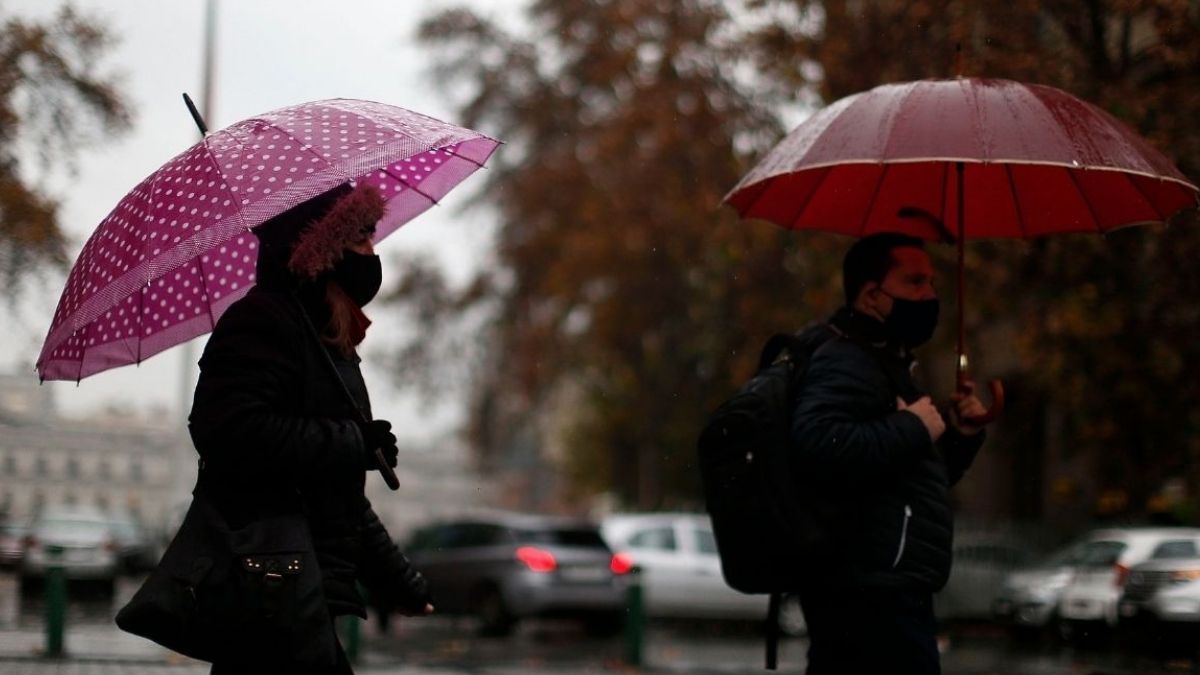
[[767, 527]]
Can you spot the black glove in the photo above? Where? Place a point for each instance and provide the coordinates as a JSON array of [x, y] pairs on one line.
[[378, 434], [413, 592]]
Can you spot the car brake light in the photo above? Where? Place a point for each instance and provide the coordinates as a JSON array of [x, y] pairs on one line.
[[621, 564], [1122, 574], [537, 559], [31, 542]]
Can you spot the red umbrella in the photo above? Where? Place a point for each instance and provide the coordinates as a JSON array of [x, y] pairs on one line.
[[963, 159]]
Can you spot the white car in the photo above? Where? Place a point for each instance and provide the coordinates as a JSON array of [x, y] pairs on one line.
[[681, 571], [1090, 598]]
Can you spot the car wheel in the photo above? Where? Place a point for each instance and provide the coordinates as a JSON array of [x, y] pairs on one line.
[[495, 619], [791, 617]]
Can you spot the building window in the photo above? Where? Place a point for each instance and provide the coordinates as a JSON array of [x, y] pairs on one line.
[[72, 467], [41, 467], [10, 465], [105, 470], [136, 472]]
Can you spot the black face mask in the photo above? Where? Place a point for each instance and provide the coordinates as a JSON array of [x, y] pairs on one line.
[[911, 322], [360, 275]]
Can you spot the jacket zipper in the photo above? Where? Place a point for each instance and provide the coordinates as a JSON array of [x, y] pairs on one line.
[[903, 535]]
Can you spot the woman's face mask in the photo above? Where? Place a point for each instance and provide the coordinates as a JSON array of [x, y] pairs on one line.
[[360, 275]]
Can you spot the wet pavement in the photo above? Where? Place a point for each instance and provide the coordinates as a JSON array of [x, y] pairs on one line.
[[443, 646]]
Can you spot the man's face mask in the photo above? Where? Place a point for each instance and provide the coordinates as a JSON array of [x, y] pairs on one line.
[[360, 275], [912, 322]]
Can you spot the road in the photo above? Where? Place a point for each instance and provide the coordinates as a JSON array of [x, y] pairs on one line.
[[444, 646]]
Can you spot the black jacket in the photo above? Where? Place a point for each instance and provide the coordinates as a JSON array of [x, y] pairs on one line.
[[274, 429], [874, 466]]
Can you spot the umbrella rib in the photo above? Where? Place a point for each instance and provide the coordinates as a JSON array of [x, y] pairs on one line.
[[462, 157], [406, 184], [1012, 187], [945, 192], [807, 200], [1086, 202], [1140, 191], [862, 226]]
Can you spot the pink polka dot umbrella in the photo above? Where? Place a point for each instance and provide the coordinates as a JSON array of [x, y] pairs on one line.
[[177, 250]]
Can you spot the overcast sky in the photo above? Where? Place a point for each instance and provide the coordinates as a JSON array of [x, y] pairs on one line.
[[269, 54]]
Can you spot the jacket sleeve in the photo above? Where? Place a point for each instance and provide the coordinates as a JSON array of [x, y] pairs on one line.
[[840, 429], [959, 452], [390, 578], [239, 421]]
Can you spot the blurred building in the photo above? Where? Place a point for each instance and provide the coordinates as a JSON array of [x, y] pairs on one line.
[[115, 461]]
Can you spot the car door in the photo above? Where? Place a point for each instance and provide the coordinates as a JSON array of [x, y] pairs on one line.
[[711, 596], [654, 547]]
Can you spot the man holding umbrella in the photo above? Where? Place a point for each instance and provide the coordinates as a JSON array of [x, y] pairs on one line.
[[882, 457]]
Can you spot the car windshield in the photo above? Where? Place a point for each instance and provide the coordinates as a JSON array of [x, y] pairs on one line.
[[1168, 550], [1101, 553], [584, 537]]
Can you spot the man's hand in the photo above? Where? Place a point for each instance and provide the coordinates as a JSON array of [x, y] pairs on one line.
[[965, 405], [925, 411]]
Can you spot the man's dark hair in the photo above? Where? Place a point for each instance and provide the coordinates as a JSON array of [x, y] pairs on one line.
[[870, 258]]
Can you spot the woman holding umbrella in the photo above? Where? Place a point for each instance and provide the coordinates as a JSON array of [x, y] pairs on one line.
[[281, 417]]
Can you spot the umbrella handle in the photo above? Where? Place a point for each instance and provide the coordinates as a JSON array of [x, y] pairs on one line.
[[997, 389], [389, 475]]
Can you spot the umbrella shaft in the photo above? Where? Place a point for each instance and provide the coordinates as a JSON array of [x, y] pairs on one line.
[[962, 232]]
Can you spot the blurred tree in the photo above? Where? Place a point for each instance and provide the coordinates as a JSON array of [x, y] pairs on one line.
[[53, 102], [625, 302], [1106, 324]]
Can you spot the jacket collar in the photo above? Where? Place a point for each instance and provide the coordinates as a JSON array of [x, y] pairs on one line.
[[866, 329]]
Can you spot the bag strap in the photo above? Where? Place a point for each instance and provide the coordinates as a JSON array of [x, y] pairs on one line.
[[772, 630]]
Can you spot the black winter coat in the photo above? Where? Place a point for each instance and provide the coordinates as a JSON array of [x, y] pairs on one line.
[[874, 466], [273, 428]]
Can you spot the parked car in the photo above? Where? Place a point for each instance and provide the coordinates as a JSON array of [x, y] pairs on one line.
[[1028, 597], [981, 563], [81, 540], [505, 568], [135, 547], [12, 545], [1142, 607], [681, 571], [1089, 601]]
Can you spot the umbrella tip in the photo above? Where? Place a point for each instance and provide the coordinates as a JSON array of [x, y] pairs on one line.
[[196, 117]]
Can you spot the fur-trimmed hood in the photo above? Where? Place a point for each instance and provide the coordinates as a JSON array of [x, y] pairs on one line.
[[308, 239]]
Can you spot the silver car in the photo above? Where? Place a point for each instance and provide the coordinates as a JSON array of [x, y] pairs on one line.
[[681, 571], [505, 568], [1028, 597], [82, 541]]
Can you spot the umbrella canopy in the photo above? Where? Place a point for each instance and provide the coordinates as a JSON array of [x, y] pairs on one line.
[[1036, 161], [177, 250], [962, 159]]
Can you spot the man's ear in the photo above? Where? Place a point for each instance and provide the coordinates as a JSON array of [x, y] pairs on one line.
[[867, 295]]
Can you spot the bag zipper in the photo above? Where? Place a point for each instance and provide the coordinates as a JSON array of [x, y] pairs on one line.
[[903, 535]]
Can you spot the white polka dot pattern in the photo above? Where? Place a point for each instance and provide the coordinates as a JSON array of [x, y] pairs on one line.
[[177, 250]]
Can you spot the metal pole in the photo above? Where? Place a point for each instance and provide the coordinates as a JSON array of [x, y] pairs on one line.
[[184, 473], [352, 634], [56, 602], [635, 619]]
